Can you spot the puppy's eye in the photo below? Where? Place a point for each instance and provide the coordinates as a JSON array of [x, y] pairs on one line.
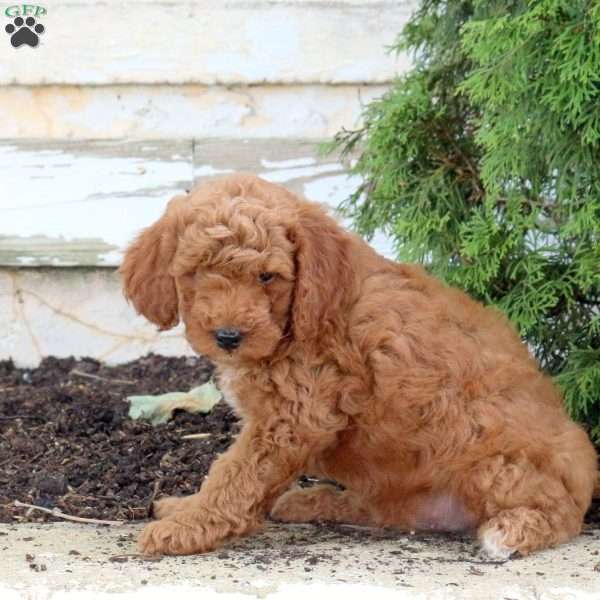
[[266, 277]]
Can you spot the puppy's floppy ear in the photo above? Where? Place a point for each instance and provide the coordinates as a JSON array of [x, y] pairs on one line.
[[323, 272], [145, 269]]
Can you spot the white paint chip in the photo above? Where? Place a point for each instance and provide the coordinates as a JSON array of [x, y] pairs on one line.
[[286, 164]]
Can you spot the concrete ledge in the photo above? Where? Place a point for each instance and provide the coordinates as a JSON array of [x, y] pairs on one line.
[[69, 562]]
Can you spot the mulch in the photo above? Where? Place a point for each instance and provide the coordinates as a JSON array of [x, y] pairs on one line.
[[66, 440]]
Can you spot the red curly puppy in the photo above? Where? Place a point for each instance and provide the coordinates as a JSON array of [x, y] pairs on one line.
[[422, 403]]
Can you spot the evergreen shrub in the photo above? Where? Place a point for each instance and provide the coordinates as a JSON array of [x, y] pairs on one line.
[[483, 162]]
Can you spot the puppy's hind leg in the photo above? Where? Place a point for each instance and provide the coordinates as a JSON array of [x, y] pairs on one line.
[[320, 503], [527, 509], [523, 530]]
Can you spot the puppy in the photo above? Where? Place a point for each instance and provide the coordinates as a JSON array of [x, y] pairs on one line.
[[422, 403]]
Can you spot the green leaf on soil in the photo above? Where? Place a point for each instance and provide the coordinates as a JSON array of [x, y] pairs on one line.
[[159, 409]]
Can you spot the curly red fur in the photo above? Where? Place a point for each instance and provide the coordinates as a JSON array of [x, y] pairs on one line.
[[422, 403]]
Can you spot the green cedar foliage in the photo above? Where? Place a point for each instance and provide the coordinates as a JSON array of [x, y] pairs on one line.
[[483, 162]]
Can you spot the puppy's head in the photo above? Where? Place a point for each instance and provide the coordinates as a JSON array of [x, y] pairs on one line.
[[245, 264]]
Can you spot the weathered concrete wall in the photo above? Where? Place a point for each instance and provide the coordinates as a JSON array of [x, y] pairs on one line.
[[81, 312], [310, 111]]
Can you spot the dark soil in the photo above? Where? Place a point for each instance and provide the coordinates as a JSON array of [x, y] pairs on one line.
[[66, 440]]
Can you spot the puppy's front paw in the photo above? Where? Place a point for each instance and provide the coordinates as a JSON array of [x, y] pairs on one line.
[[170, 537]]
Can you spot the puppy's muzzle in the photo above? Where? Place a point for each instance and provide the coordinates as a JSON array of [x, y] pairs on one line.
[[228, 339]]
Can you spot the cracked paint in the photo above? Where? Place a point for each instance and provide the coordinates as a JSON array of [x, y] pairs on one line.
[[49, 312]]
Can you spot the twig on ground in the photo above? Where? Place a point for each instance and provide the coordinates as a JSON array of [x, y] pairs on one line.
[[359, 527], [15, 417], [196, 436], [155, 492], [140, 509], [100, 378], [57, 513]]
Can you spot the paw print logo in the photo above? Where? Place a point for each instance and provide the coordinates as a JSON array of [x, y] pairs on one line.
[[24, 32]]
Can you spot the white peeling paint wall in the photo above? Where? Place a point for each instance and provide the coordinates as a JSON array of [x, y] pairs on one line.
[[124, 104], [307, 111]]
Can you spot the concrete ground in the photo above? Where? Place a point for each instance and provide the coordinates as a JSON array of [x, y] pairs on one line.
[[64, 561]]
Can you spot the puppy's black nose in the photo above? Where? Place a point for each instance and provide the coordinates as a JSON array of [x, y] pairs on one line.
[[228, 339]]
